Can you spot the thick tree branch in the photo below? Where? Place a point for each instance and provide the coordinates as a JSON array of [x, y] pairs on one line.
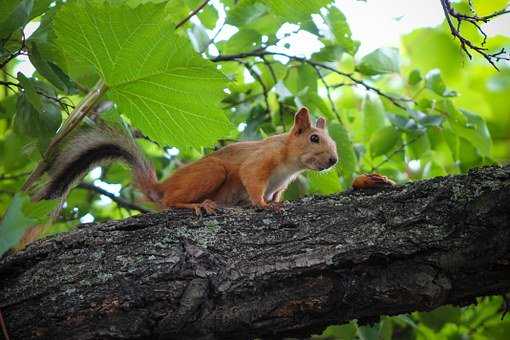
[[246, 273]]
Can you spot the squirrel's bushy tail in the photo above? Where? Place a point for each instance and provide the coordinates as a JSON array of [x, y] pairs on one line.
[[91, 147]]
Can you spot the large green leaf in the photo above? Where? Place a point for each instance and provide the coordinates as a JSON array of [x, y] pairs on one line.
[[295, 11], [153, 75], [380, 61]]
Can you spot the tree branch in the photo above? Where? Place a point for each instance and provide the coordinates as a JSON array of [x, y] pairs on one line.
[[245, 273], [474, 20]]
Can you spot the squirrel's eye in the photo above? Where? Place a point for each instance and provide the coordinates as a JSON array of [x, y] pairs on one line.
[[314, 139]]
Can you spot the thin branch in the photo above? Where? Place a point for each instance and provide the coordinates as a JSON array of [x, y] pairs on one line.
[[328, 94], [193, 13], [466, 45], [59, 100], [257, 77], [261, 52], [119, 200]]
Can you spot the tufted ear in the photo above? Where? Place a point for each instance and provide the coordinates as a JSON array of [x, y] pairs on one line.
[[302, 121], [320, 123]]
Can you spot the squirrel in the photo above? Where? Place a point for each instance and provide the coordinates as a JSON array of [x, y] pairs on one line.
[[244, 173]]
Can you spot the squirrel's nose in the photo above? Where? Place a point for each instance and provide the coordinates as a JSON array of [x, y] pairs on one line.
[[332, 161]]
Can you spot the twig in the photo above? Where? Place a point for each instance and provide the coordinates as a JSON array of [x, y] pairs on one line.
[[465, 44], [328, 94], [119, 200], [60, 100], [193, 13], [4, 327]]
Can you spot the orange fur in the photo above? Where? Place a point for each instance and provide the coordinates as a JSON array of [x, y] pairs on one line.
[[250, 173]]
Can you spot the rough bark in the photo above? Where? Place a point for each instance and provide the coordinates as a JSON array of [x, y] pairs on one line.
[[246, 273]]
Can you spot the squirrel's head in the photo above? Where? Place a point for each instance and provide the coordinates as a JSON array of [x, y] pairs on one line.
[[312, 146]]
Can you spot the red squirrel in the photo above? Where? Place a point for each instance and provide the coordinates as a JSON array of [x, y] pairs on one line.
[[245, 173]]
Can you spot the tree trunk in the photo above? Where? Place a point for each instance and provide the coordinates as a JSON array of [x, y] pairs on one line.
[[244, 273]]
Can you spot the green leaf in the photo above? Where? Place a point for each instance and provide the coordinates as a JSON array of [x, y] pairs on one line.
[[14, 157], [245, 12], [434, 82], [39, 211], [497, 330], [484, 7], [373, 116], [380, 61], [328, 53], [430, 48], [50, 71], [198, 37], [368, 332], [439, 317], [295, 11], [301, 79], [339, 27], [36, 116], [244, 40], [343, 332], [21, 214], [414, 77], [156, 79], [14, 14], [384, 140], [347, 157], [417, 144], [208, 16], [325, 183], [15, 222]]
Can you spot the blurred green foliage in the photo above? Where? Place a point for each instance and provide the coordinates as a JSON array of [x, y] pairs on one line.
[[420, 111]]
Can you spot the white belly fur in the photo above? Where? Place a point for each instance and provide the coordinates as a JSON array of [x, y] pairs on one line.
[[280, 179]]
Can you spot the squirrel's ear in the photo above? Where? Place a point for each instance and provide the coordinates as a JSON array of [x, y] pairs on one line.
[[301, 121], [320, 123]]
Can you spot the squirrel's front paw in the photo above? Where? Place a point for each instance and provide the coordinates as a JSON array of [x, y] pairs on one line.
[[372, 181]]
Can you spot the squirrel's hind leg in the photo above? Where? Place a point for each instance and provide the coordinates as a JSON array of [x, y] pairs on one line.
[[193, 186]]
